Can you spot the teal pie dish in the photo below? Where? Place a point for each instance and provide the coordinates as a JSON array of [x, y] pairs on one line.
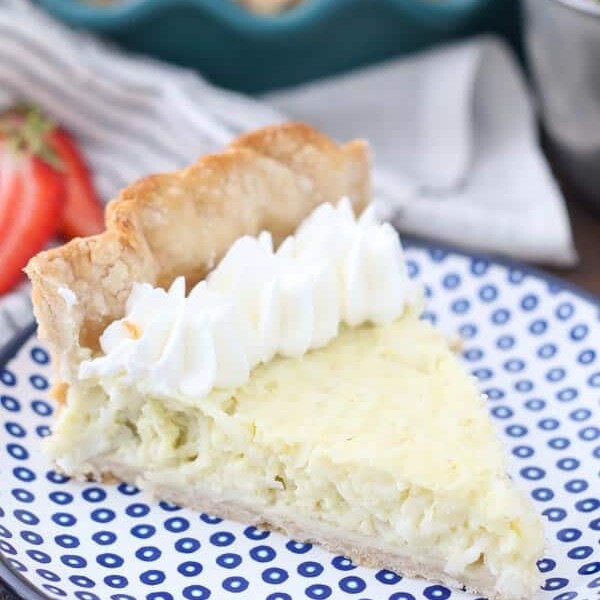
[[254, 53]]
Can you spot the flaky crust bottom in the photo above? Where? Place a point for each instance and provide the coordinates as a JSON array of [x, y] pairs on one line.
[[361, 549]]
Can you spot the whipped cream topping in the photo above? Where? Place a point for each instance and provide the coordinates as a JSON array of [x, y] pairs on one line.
[[258, 303]]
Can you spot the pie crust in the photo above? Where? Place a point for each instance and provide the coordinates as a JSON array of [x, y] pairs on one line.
[[181, 223]]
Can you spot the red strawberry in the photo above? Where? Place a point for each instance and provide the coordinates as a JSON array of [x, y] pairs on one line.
[[31, 193], [84, 214]]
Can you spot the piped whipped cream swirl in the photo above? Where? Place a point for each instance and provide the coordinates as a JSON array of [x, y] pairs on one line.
[[257, 303]]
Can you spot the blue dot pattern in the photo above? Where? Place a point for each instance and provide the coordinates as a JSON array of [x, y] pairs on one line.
[[535, 352]]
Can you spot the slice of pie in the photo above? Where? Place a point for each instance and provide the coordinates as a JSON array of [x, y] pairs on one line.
[[243, 340]]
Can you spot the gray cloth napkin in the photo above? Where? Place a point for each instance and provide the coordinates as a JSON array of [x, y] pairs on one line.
[[453, 131], [456, 151]]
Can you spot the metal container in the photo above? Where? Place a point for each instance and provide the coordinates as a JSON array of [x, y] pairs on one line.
[[562, 40]]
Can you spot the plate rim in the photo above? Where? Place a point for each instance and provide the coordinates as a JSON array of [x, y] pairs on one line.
[[25, 589], [22, 587]]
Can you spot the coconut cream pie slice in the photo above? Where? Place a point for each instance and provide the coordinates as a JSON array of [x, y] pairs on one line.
[[243, 340]]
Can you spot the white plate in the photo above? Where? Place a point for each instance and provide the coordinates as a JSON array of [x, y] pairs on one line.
[[532, 343]]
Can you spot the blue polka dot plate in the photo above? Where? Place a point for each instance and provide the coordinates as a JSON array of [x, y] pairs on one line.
[[531, 342]]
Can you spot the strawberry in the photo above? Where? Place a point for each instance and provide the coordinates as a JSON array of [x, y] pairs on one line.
[[32, 193], [84, 214]]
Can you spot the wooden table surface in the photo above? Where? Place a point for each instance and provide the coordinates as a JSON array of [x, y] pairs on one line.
[[586, 229], [585, 222]]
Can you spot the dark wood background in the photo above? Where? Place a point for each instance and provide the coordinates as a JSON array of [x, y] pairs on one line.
[[5, 594], [585, 221], [586, 228]]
